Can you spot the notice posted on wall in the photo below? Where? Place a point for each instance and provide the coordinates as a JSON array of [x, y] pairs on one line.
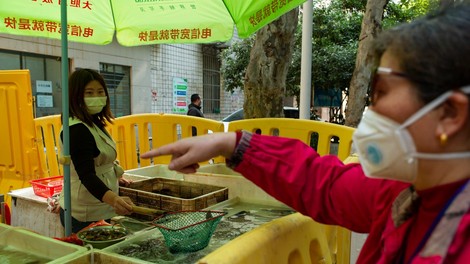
[[43, 86], [44, 101], [180, 95]]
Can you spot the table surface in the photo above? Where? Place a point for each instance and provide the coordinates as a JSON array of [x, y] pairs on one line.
[[27, 194]]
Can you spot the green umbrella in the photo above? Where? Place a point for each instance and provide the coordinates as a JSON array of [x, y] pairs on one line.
[[142, 22], [138, 22]]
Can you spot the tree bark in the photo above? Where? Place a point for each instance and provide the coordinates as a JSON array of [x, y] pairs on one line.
[[270, 57], [445, 3], [371, 26]]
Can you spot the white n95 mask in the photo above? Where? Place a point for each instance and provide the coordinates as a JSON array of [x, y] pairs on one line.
[[387, 150], [95, 104]]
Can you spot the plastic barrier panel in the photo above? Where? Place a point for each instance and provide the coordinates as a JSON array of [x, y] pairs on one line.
[[18, 155], [130, 133], [155, 130], [47, 137], [304, 130], [293, 239], [133, 134], [330, 139], [339, 243]]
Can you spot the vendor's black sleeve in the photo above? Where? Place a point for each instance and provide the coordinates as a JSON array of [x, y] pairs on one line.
[[83, 150]]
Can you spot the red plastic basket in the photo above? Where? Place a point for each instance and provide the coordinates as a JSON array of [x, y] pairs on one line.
[[46, 187]]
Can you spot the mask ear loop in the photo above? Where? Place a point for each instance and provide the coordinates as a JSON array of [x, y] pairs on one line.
[[433, 104], [426, 109]]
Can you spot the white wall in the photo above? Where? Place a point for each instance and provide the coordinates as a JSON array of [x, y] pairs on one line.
[[168, 62], [153, 68], [90, 56]]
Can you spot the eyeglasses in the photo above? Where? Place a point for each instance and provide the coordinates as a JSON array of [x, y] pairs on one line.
[[391, 72], [375, 79]]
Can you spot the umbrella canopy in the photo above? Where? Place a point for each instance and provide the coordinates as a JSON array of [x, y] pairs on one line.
[[142, 22]]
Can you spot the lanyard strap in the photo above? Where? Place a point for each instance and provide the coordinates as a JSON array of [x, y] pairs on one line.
[[439, 236]]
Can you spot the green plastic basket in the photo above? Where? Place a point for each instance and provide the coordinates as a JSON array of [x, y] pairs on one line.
[[188, 231]]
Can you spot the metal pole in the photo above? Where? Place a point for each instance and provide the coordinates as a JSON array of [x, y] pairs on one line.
[[306, 61], [65, 118]]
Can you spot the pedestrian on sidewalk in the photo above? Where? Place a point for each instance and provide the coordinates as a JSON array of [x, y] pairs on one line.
[[194, 109]]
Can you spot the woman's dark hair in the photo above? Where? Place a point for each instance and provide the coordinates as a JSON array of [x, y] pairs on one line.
[[434, 51], [77, 107]]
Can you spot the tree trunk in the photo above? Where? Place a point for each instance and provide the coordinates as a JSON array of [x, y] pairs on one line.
[[445, 3], [270, 57], [371, 26]]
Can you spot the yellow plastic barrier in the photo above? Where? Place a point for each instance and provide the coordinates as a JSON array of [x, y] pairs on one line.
[[18, 156], [47, 137], [302, 130], [129, 132], [293, 239], [339, 243], [142, 132], [338, 238]]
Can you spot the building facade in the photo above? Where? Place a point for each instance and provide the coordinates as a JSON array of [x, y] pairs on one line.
[[142, 79]]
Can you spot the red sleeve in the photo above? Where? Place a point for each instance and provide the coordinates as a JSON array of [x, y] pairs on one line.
[[239, 136], [321, 187]]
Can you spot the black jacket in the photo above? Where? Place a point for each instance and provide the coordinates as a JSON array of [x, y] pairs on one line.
[[194, 110]]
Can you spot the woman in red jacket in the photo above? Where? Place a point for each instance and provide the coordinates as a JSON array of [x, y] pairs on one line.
[[411, 192]]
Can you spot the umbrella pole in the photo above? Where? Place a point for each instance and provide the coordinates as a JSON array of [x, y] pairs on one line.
[[306, 61], [65, 118]]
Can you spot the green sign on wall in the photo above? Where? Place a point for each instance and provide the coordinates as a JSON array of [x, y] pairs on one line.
[[180, 95]]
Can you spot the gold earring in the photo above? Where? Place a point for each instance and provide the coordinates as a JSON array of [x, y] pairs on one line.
[[443, 139]]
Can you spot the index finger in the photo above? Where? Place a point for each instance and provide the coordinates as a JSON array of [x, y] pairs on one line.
[[164, 150], [151, 153]]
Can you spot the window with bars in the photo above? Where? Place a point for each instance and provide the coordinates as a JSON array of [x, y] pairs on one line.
[[211, 79], [42, 68], [118, 81]]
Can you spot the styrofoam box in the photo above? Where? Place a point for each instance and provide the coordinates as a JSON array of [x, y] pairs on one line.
[[212, 174], [238, 186], [101, 257], [153, 171], [29, 242]]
